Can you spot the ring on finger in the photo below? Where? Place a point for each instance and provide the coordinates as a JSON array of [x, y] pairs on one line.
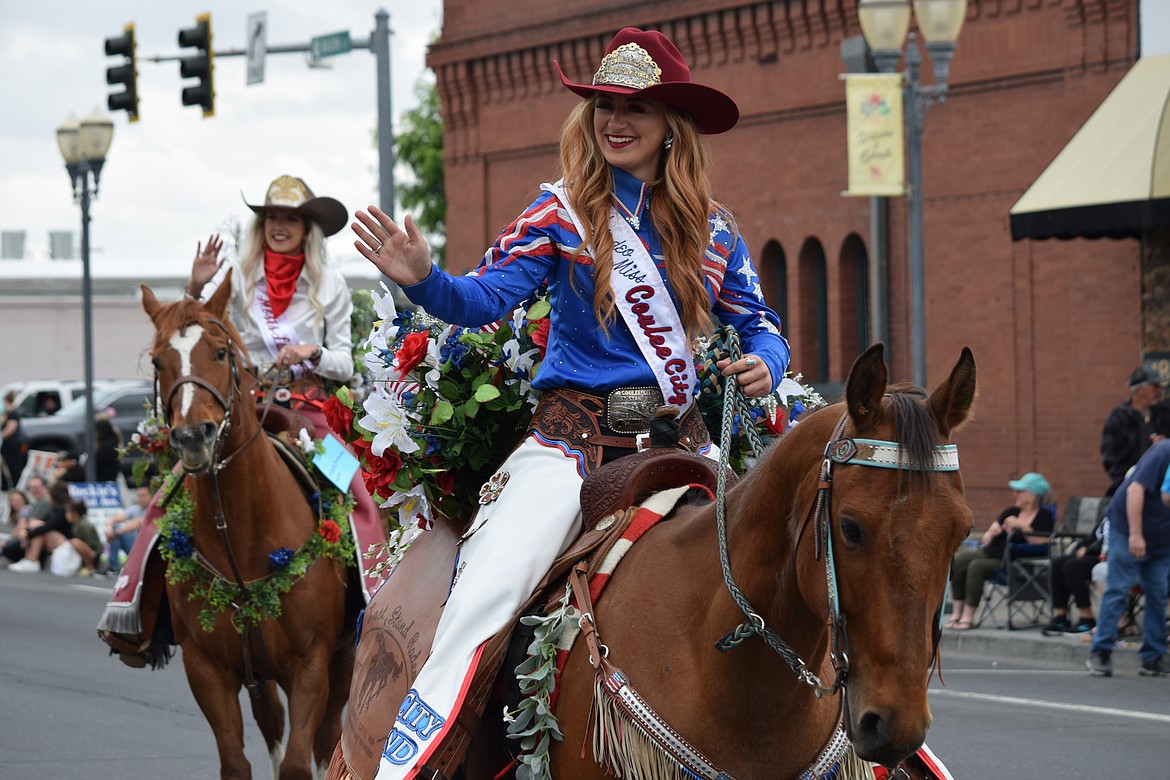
[[750, 362], [378, 248]]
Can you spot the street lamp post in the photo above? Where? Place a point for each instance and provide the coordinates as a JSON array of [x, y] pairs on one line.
[[84, 145], [884, 24]]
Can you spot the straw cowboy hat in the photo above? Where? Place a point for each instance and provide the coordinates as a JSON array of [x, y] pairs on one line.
[[645, 63], [289, 192]]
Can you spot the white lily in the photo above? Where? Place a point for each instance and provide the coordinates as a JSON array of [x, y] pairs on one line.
[[413, 507], [388, 421]]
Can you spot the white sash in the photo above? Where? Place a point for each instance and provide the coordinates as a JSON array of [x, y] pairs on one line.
[[277, 332], [645, 306]]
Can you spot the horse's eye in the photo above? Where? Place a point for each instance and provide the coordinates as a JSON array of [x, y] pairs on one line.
[[851, 530], [221, 354]]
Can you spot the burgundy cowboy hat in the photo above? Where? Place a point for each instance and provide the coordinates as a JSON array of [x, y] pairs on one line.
[[289, 192], [645, 63]]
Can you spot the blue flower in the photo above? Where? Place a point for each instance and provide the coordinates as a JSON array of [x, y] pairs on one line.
[[452, 350], [281, 557], [404, 319], [797, 410], [736, 425], [180, 544], [408, 399], [433, 445]]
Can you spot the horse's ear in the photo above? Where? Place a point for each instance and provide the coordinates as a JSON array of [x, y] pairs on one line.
[[951, 401], [218, 302], [865, 388], [150, 303]]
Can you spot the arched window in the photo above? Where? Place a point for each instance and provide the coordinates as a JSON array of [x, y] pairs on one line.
[[853, 292], [774, 280], [813, 359]]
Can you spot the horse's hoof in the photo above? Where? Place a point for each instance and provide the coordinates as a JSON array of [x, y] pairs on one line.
[[133, 660]]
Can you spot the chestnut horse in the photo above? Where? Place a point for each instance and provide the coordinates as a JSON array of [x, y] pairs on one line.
[[206, 391], [887, 541]]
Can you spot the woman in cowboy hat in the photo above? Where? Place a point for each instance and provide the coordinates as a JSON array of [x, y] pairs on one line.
[[293, 315], [637, 257], [292, 310]]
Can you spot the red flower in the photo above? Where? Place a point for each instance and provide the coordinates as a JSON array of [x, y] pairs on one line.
[[412, 351], [379, 473], [445, 481], [339, 416], [776, 427], [540, 335], [330, 531]]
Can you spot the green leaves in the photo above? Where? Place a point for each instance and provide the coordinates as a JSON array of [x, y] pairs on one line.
[[485, 393], [533, 723]]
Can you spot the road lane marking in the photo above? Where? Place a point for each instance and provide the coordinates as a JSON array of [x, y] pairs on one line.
[[94, 588], [1055, 705]]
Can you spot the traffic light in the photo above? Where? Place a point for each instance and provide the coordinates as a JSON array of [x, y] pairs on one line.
[[198, 66], [125, 74]]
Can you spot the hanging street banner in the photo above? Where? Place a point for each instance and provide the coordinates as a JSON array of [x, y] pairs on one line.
[[873, 109]]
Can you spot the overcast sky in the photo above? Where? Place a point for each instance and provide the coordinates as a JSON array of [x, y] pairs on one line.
[[173, 177]]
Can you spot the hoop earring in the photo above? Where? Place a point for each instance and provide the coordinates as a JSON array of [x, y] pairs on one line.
[[669, 142]]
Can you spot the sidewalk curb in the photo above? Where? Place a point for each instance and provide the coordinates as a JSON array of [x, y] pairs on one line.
[[1031, 645]]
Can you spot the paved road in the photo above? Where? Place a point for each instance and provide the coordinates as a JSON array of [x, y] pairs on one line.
[[68, 710], [1013, 718]]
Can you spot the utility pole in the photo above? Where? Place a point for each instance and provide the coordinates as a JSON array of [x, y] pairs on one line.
[[380, 45]]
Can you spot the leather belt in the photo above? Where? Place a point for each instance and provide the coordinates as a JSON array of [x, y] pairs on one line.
[[618, 419]]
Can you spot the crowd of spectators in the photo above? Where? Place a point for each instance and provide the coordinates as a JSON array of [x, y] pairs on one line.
[[49, 529]]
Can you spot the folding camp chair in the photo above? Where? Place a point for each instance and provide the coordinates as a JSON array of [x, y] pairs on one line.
[[1019, 587]]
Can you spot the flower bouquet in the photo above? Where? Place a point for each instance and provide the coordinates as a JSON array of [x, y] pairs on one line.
[[445, 406]]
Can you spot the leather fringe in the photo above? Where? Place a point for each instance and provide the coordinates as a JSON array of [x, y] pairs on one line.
[[623, 749]]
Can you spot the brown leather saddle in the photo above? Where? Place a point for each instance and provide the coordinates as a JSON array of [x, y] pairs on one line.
[[400, 622]]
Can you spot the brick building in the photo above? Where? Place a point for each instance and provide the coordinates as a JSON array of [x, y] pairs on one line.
[[1055, 326]]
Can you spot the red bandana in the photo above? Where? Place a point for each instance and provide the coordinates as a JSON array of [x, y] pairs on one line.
[[281, 272]]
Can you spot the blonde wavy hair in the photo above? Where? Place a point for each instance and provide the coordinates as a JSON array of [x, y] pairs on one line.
[[680, 210], [252, 260]]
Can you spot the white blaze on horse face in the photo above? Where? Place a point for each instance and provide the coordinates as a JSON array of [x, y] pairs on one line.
[[183, 342]]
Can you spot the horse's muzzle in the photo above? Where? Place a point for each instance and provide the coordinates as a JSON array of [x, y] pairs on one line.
[[195, 445], [880, 737]]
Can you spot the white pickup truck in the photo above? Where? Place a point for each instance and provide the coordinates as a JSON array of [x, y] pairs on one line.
[[43, 397]]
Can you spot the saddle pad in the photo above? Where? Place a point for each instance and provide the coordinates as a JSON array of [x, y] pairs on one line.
[[396, 635]]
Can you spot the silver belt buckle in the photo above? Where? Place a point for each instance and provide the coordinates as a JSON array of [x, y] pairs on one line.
[[628, 410]]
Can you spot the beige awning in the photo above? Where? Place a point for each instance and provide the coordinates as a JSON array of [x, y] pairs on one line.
[[1113, 178]]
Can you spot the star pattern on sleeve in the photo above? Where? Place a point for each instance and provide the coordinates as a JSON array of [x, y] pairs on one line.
[[718, 225], [750, 278]]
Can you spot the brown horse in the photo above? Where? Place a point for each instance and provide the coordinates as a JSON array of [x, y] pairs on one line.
[[891, 535], [207, 396], [862, 499]]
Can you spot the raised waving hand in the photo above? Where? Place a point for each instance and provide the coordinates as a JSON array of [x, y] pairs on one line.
[[401, 253]]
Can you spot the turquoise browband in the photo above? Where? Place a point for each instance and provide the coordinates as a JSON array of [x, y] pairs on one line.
[[888, 455]]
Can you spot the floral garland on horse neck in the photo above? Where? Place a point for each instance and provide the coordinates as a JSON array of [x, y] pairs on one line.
[[426, 445], [261, 598]]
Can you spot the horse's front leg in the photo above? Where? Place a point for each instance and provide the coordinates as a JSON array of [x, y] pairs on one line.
[[308, 693], [217, 692]]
